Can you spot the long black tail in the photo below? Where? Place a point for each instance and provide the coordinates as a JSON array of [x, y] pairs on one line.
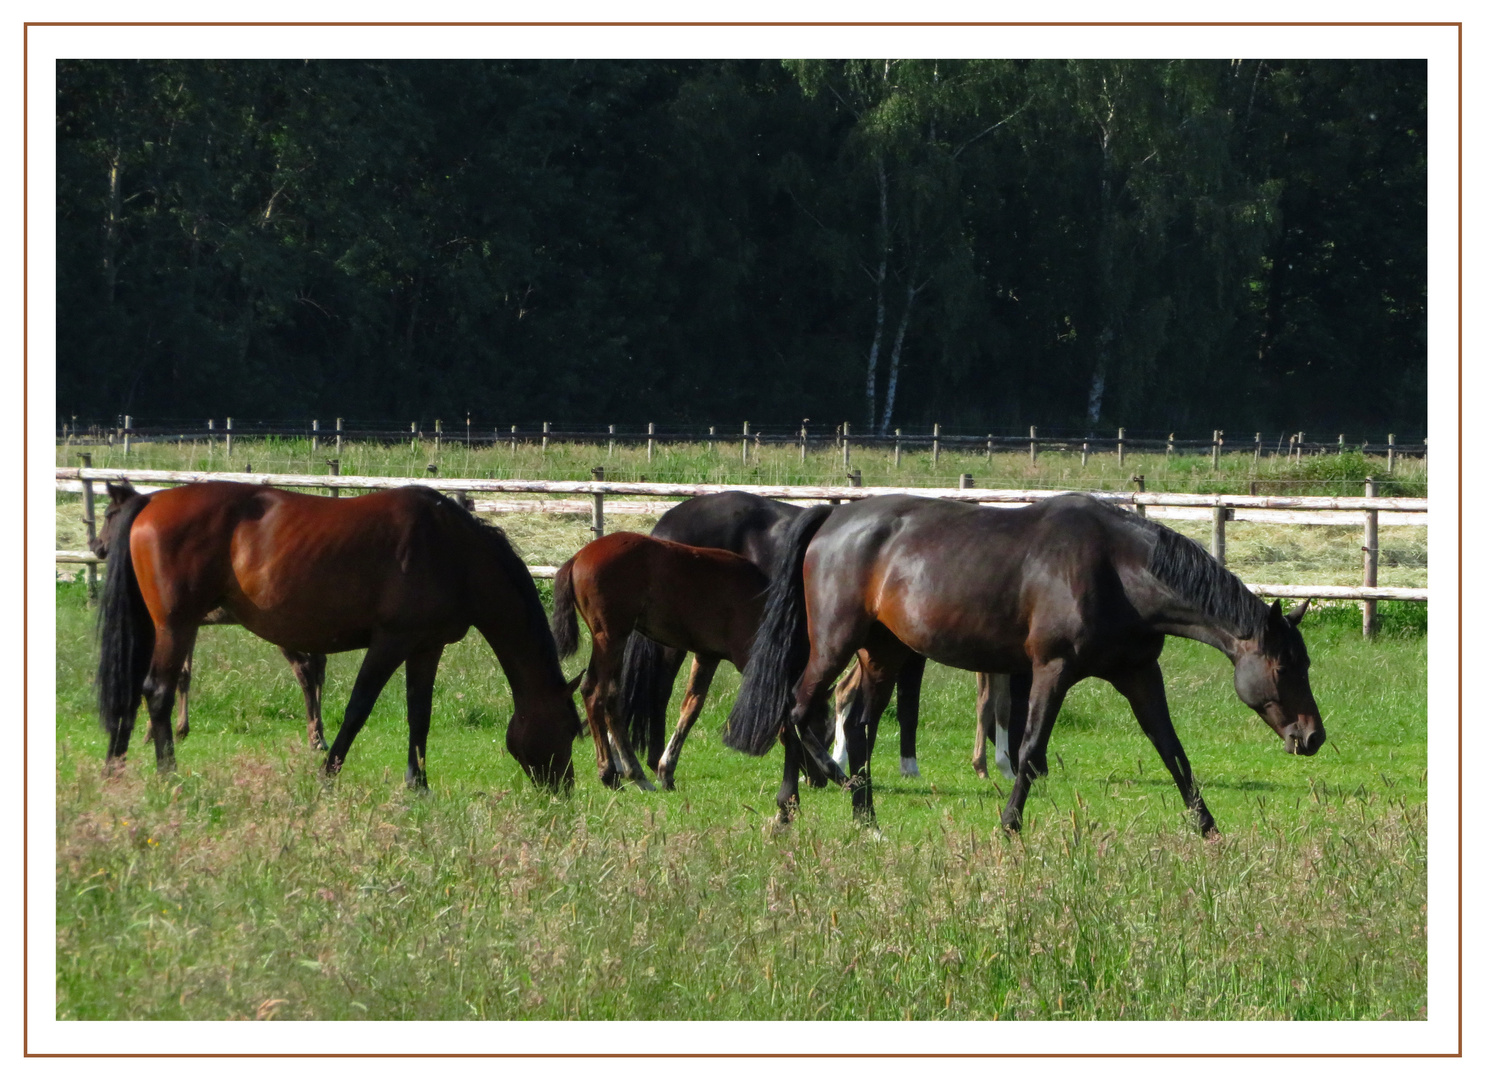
[[780, 648], [126, 634], [564, 611], [643, 692]]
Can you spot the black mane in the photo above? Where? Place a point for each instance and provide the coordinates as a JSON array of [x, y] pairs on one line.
[[1187, 569]]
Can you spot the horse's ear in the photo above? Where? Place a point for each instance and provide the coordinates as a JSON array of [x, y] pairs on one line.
[[574, 681], [1297, 612], [121, 492]]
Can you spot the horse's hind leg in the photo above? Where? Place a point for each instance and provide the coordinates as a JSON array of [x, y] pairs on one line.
[[910, 683], [992, 721], [1050, 684], [617, 762], [309, 671], [880, 663], [702, 670], [173, 645], [669, 667], [381, 660], [422, 666], [1145, 689]]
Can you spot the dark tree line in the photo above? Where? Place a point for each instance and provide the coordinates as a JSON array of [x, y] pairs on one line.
[[1081, 244]]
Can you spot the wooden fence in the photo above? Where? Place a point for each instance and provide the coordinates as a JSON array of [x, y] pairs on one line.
[[1292, 445], [1369, 511]]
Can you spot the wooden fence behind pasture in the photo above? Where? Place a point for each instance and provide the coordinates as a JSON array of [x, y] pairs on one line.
[[1369, 511]]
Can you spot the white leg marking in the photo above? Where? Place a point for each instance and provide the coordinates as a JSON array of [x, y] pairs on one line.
[[1003, 752], [838, 749], [908, 766]]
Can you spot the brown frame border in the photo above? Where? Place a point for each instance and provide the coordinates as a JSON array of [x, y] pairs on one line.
[[1459, 494]]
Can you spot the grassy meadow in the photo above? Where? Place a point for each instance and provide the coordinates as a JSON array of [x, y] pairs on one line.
[[242, 887]]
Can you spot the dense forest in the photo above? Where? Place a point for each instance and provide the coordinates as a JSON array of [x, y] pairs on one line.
[[1078, 244]]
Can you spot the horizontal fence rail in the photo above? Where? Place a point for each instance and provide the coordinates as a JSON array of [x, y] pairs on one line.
[[1369, 511], [818, 436]]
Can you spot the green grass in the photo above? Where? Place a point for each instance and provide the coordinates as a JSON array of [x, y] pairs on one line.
[[240, 886], [722, 463]]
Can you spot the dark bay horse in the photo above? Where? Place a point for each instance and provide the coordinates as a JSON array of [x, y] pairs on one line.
[[308, 668], [753, 527], [1062, 590], [701, 600], [399, 573]]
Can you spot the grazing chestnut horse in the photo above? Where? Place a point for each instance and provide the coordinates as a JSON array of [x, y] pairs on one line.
[[398, 573], [753, 527], [1061, 590], [308, 668], [692, 599]]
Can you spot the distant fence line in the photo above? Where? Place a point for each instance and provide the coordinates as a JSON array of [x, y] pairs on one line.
[[1293, 445], [1220, 508]]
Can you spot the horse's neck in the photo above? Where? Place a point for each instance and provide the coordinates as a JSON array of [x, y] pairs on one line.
[[525, 652], [1169, 613]]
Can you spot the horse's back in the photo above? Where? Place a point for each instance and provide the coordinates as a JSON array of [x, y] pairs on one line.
[[738, 521]]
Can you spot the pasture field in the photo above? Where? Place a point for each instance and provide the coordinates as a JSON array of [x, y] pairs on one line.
[[774, 463], [241, 886]]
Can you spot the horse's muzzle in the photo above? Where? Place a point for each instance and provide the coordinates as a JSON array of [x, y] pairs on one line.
[[1304, 741]]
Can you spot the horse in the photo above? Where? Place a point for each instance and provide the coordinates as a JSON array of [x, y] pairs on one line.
[[1062, 590], [753, 527], [399, 573], [308, 668], [691, 599]]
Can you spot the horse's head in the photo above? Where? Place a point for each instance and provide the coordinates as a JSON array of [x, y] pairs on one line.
[[541, 740], [119, 495], [1272, 677]]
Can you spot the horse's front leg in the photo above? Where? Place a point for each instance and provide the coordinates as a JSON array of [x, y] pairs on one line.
[[309, 672], [381, 660], [1145, 689]]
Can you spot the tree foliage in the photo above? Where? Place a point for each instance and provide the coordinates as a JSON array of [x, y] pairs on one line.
[[1072, 243]]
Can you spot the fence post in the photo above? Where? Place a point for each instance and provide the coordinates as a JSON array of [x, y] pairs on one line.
[[1390, 453], [413, 431], [466, 431], [546, 430], [513, 438], [1258, 446], [1215, 448], [337, 436], [1084, 456], [1220, 533], [1341, 444], [598, 504], [1032, 444], [335, 470], [966, 481], [438, 435], [745, 442], [92, 523], [854, 478], [897, 447], [1299, 445], [314, 435], [1170, 443], [1370, 562], [649, 441], [229, 436], [936, 446], [1424, 458], [711, 437], [1138, 482], [128, 428], [846, 445], [804, 434], [990, 447], [1120, 444], [611, 440]]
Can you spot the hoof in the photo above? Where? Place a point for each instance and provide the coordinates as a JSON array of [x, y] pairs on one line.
[[908, 767], [667, 781]]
